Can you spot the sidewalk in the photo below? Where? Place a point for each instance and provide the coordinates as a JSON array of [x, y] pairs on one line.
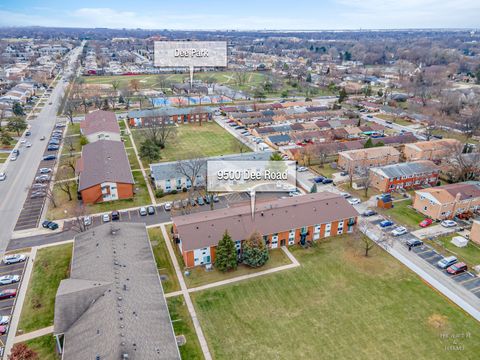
[[33, 334]]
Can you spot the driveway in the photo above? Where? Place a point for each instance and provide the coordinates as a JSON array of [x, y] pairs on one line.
[[433, 231]]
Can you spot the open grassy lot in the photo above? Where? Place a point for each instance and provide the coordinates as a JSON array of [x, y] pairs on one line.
[[326, 170], [403, 214], [44, 346], [182, 325], [470, 254], [163, 260], [192, 140], [454, 135], [338, 304], [394, 119], [50, 267]]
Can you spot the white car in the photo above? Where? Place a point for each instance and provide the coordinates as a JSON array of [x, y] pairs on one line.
[[3, 176], [354, 201], [13, 157], [448, 223], [23, 141], [87, 220], [14, 258], [4, 320], [28, 144], [167, 206], [302, 169], [399, 231], [106, 218], [9, 279]]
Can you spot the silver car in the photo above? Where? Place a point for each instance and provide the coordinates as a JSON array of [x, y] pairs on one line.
[[14, 258], [9, 279]]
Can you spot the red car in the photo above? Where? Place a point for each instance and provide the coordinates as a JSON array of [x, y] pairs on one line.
[[457, 268], [426, 222], [3, 329], [8, 293]]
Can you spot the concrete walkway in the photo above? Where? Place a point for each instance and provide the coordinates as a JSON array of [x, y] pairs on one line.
[[33, 334], [186, 296]]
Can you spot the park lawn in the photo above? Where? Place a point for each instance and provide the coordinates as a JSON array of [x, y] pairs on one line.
[[198, 276], [51, 265], [395, 119], [44, 346], [339, 304], [183, 325], [403, 214], [470, 254], [132, 159], [163, 260], [193, 141]]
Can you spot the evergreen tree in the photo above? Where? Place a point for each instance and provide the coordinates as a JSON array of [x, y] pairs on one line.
[[226, 254], [314, 188], [309, 78], [17, 109], [368, 143], [342, 95], [254, 251], [149, 150], [276, 157]]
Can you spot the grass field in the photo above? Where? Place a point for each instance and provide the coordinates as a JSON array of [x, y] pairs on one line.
[[132, 159], [163, 260], [454, 135], [402, 214], [336, 305], [470, 254], [394, 119], [4, 156], [50, 267], [192, 141], [182, 325], [44, 346]]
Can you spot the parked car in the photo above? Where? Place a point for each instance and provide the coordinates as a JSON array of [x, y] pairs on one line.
[[200, 201], [3, 176], [354, 201], [386, 223], [151, 210], [49, 157], [38, 194], [327, 181], [45, 170], [87, 220], [414, 242], [142, 211], [346, 195], [28, 133], [302, 169], [400, 230], [28, 144], [167, 206], [106, 218], [13, 157], [426, 222], [3, 329], [53, 147], [447, 262], [60, 125], [53, 225], [4, 320], [318, 179], [368, 213], [39, 186], [344, 173], [14, 259], [9, 279], [45, 223], [215, 198], [42, 178], [457, 268], [115, 215], [8, 293], [448, 223]]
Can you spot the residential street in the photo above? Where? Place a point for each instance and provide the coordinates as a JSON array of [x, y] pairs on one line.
[[20, 173]]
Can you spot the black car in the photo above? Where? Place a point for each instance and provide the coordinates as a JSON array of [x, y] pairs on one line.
[[327, 181], [53, 225], [28, 133], [49, 157], [368, 213], [414, 242], [115, 215], [150, 210], [16, 152], [53, 147], [45, 224], [207, 199]]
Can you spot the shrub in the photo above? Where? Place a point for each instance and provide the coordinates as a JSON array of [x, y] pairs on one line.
[[174, 191], [159, 193]]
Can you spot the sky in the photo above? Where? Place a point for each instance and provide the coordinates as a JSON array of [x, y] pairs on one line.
[[244, 14]]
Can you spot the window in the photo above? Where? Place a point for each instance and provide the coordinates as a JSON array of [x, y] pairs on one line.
[[424, 208]]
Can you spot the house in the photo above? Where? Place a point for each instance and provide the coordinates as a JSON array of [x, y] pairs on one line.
[[369, 157], [100, 125], [430, 150], [104, 172], [409, 175], [166, 176], [282, 222], [448, 201], [184, 115], [113, 305]]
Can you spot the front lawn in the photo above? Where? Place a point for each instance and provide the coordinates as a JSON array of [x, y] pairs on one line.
[[73, 129], [164, 262], [326, 170], [193, 140], [132, 158], [403, 214], [51, 265], [336, 305], [44, 346]]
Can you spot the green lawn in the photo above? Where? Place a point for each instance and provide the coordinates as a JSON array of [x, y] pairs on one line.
[[470, 254], [454, 135], [358, 193], [127, 141], [182, 325], [50, 267], [164, 262], [193, 140], [71, 144], [73, 129], [403, 214], [326, 170], [3, 157], [44, 346], [395, 119], [336, 305], [132, 158]]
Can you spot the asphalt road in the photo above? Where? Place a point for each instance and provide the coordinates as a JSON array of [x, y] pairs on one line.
[[20, 173], [394, 126]]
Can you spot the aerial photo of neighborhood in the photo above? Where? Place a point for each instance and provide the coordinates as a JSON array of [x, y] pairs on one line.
[[239, 181]]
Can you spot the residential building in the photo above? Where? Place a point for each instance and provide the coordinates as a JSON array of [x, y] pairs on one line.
[[113, 305], [174, 115], [367, 158], [430, 150], [104, 172], [448, 201], [167, 176], [282, 222], [100, 125], [409, 175]]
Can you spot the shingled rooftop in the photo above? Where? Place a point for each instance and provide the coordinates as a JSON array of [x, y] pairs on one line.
[[113, 306]]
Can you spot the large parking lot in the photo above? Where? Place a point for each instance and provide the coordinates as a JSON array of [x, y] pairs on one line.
[[7, 305], [33, 207]]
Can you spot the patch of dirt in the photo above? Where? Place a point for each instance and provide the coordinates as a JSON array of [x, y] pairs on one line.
[[438, 321]]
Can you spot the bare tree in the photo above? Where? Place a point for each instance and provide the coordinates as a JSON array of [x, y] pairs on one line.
[[192, 169], [241, 77], [364, 178], [70, 109], [79, 214], [463, 166], [64, 182], [159, 130], [368, 244]]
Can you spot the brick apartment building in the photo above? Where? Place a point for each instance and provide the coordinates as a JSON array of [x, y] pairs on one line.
[[409, 175], [448, 201], [367, 158], [430, 150], [282, 222], [100, 125], [139, 118]]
